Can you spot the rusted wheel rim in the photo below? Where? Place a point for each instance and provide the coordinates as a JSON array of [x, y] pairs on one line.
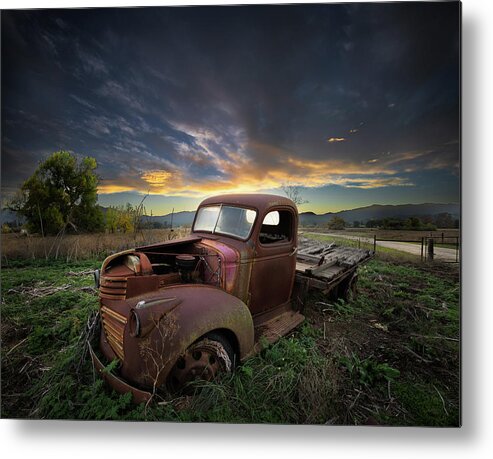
[[202, 361]]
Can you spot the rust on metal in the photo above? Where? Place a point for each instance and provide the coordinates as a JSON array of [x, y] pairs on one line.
[[203, 360], [114, 325], [122, 387], [168, 309]]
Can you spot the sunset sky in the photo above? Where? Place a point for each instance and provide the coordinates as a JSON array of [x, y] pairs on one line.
[[355, 103]]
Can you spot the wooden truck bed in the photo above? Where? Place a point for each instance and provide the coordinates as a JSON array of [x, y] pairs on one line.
[[324, 265]]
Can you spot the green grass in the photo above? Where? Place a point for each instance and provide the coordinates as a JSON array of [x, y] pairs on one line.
[[389, 355]]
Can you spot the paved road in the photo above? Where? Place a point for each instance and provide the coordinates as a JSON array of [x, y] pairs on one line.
[[441, 253]]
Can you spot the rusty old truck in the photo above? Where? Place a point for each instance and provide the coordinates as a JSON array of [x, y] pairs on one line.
[[188, 308]]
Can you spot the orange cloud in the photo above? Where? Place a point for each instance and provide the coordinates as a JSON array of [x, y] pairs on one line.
[[157, 178], [335, 139], [268, 167], [109, 187]]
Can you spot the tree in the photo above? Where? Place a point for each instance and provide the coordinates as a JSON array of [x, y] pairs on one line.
[[413, 223], [119, 219], [444, 220], [356, 224], [293, 193], [61, 194], [336, 223]]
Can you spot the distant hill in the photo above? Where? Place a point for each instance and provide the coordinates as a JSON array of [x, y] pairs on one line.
[[362, 214], [179, 218], [377, 211]]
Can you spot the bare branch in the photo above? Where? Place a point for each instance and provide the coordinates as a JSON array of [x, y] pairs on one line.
[[293, 192]]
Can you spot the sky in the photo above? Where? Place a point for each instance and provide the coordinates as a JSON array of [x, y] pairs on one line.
[[356, 104]]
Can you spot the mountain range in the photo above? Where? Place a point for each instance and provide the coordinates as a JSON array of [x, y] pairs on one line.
[[362, 214]]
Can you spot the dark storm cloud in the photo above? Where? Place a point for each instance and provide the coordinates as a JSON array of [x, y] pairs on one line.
[[187, 101]]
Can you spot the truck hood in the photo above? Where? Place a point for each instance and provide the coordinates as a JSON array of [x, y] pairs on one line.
[[171, 242]]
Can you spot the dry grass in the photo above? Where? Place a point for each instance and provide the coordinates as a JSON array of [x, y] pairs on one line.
[[80, 246]]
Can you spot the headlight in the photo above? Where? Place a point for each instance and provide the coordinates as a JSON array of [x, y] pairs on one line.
[[134, 324]]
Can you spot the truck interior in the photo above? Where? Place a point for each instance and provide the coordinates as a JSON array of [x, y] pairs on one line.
[[276, 227]]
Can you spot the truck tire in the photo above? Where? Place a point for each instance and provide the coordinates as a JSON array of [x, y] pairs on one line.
[[204, 360]]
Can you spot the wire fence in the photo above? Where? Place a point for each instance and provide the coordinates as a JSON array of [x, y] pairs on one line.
[[438, 247]]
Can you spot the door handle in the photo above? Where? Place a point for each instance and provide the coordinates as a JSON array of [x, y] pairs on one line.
[[295, 249]]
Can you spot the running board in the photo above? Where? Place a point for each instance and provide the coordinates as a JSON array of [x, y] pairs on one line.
[[270, 331]]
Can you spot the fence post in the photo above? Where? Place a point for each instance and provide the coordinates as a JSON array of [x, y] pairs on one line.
[[430, 249], [422, 247], [457, 250], [442, 238], [375, 243]]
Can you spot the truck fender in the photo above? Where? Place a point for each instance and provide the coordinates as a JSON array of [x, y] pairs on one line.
[[201, 310]]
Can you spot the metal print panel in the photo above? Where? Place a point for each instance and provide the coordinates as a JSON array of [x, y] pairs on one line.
[[234, 214]]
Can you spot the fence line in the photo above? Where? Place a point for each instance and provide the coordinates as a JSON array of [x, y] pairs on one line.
[[427, 245]]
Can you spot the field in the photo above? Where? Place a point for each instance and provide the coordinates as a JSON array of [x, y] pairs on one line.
[[397, 245], [391, 234], [79, 246], [390, 356]]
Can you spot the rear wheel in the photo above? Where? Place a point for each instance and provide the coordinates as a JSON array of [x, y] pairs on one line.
[[202, 361], [349, 289]]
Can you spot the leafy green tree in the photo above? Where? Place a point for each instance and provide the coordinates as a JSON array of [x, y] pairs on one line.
[[444, 220], [413, 223], [120, 219], [336, 223], [61, 194], [373, 223]]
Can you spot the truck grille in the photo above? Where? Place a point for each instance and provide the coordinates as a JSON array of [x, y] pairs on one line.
[[113, 288], [114, 326]]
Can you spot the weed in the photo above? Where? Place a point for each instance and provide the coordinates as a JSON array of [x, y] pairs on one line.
[[368, 371], [290, 381], [424, 404]]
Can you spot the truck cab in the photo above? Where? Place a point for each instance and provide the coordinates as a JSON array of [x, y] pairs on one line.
[[258, 236]]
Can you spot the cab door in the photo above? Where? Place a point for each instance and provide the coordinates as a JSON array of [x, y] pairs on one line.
[[274, 264]]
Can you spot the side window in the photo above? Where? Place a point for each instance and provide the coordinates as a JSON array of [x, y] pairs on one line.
[[276, 227]]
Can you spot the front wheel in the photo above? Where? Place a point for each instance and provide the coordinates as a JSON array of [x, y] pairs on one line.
[[203, 360]]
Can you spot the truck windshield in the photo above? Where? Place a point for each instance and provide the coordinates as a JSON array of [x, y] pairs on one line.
[[229, 220]]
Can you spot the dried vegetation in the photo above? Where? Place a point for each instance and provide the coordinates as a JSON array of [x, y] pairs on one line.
[[79, 246]]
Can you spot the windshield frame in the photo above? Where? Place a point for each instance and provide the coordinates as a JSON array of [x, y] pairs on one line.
[[221, 205]]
